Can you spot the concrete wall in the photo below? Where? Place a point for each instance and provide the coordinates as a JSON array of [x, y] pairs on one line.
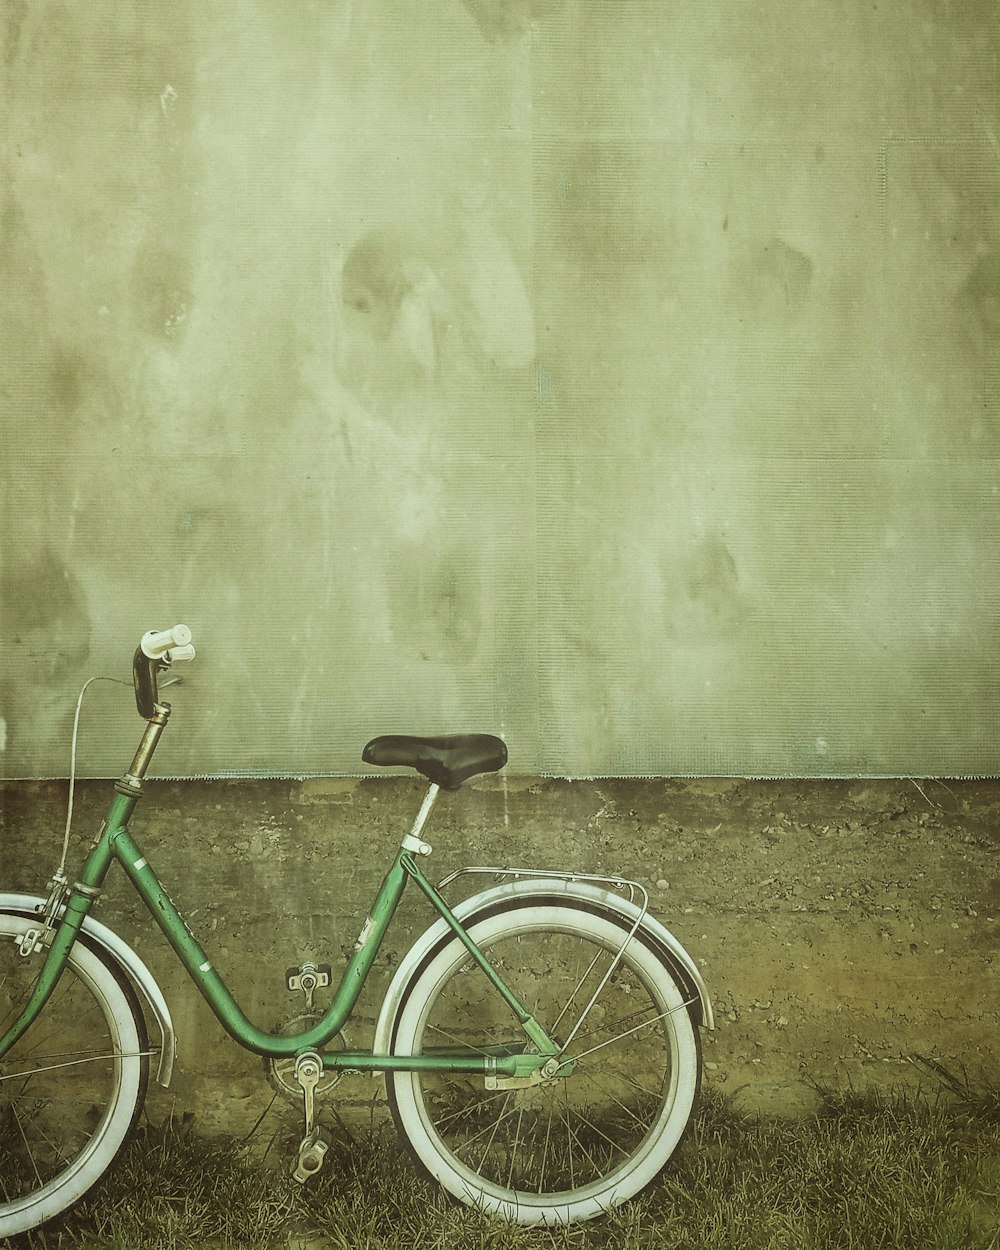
[[842, 927], [618, 376]]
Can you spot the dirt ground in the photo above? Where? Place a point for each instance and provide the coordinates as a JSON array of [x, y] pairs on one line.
[[844, 928]]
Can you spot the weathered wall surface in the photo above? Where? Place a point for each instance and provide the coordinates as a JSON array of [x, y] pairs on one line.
[[618, 376], [842, 927]]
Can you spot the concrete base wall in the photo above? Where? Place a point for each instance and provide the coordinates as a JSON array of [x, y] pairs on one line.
[[842, 927]]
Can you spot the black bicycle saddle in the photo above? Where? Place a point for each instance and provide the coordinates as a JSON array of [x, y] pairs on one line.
[[448, 762]]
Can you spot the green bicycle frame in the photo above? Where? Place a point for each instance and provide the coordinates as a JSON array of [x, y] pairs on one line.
[[115, 843]]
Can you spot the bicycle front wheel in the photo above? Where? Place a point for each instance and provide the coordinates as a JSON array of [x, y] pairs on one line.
[[71, 1088], [593, 1136]]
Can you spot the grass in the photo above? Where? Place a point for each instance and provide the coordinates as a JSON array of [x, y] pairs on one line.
[[907, 1171]]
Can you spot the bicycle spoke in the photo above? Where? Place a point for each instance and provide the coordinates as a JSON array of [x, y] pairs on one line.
[[56, 1151], [614, 965], [593, 964], [28, 1150], [620, 1022], [572, 1178], [545, 1150], [513, 1151], [650, 1096], [636, 1121], [482, 1049], [631, 1032], [76, 1063], [482, 1101], [45, 1027], [490, 1128]]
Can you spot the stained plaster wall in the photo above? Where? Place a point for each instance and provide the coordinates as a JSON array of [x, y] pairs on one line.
[[620, 377]]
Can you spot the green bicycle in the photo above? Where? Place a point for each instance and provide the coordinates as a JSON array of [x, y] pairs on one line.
[[540, 1041]]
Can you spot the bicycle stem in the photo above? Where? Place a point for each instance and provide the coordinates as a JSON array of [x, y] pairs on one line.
[[157, 722]]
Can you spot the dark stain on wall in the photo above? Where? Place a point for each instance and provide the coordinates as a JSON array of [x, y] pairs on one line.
[[67, 372], [436, 601], [12, 18], [508, 19], [978, 299], [710, 579], [775, 279], [20, 263], [51, 628], [161, 290], [599, 218], [31, 383], [374, 282]]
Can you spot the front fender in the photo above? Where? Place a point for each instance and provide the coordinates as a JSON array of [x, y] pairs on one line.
[[562, 889], [124, 956]]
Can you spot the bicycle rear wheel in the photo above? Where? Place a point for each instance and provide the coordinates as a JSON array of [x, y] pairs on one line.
[[72, 1087], [572, 1147]]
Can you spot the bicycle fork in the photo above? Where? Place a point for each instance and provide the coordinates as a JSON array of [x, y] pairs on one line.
[[70, 905]]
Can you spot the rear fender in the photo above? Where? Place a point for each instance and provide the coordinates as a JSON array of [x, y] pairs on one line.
[[104, 939], [561, 889]]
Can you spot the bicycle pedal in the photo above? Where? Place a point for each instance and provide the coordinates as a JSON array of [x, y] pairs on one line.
[[312, 1152], [308, 978]]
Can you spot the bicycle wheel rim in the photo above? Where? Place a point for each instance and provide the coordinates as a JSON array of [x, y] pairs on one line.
[[71, 1089], [621, 1113]]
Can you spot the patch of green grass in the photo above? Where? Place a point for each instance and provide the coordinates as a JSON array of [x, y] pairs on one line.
[[906, 1172]]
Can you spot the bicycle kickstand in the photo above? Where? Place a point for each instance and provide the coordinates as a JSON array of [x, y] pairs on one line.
[[315, 1142]]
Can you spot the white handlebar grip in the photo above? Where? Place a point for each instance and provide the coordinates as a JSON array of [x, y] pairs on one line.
[[155, 642], [176, 654]]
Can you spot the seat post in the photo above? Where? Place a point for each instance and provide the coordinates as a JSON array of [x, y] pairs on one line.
[[413, 841]]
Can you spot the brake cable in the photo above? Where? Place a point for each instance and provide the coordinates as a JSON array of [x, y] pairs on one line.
[[60, 876]]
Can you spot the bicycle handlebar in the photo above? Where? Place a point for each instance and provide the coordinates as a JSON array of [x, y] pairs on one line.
[[157, 650], [157, 642]]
